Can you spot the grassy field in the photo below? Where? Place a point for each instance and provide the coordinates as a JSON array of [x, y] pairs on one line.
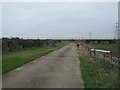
[[106, 46], [12, 60], [96, 74]]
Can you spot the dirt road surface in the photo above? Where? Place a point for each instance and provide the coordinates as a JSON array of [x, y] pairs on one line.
[[59, 69]]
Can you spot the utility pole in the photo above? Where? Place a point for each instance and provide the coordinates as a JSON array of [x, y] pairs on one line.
[[90, 35], [116, 31], [119, 42], [82, 36]]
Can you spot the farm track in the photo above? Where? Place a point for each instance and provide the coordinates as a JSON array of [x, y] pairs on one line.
[[59, 69]]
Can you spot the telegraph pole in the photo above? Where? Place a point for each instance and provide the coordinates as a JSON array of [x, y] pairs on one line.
[[81, 36], [118, 42], [90, 35], [116, 31]]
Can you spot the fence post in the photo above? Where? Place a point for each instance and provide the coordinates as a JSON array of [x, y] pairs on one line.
[[94, 54]]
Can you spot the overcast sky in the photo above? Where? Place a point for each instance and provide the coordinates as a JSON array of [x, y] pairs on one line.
[[59, 20]]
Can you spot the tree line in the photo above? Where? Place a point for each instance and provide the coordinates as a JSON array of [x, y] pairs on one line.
[[16, 43]]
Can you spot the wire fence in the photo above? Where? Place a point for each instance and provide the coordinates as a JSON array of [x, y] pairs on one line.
[[105, 50], [108, 52]]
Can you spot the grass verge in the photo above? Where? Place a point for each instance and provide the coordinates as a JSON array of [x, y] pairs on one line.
[[12, 60], [96, 74]]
